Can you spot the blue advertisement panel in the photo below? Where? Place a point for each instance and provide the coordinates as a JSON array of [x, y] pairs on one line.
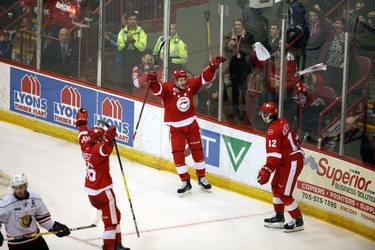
[[117, 112], [211, 147], [49, 99], [58, 102]]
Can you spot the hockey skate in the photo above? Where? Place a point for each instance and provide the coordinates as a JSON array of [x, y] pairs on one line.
[[294, 225], [276, 221], [205, 185], [118, 246], [185, 188]]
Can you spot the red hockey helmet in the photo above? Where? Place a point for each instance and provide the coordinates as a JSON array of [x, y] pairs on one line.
[[179, 73], [269, 108], [96, 133]]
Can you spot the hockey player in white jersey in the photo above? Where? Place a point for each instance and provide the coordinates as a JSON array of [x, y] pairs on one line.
[[21, 212]]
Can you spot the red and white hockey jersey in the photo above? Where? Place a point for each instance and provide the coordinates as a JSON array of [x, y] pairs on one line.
[[96, 155], [21, 217], [178, 103], [281, 142]]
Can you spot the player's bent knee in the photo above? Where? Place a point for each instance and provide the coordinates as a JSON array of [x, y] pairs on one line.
[[197, 155], [179, 158]]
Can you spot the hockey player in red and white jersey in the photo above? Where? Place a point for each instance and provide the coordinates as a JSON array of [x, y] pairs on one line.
[[181, 118], [21, 213], [97, 146], [285, 160]]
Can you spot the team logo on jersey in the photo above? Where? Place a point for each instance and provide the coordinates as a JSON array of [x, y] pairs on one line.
[[66, 110], [29, 99], [183, 104], [25, 221], [270, 132]]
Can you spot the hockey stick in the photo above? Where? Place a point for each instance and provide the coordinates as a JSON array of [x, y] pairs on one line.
[[207, 17], [148, 88], [94, 224], [105, 124]]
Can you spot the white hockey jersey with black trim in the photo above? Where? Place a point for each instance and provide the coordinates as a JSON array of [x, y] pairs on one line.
[[21, 217]]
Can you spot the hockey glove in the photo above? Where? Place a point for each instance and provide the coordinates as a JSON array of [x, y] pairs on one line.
[[110, 134], [81, 117], [1, 239], [215, 63], [151, 77], [63, 229], [264, 175]]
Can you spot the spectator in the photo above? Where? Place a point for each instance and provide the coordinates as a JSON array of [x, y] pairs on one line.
[[140, 72], [238, 48], [6, 46], [208, 97], [178, 54], [56, 17], [332, 54], [317, 31], [132, 41], [61, 56], [273, 38], [296, 22]]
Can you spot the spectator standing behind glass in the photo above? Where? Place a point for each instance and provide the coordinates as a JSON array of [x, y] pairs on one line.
[[178, 54], [332, 54], [273, 38], [140, 72], [6, 46], [318, 30], [131, 41], [61, 56], [238, 49]]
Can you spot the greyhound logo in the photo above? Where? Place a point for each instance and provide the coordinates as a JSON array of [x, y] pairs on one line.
[[26, 221], [310, 161], [183, 104]]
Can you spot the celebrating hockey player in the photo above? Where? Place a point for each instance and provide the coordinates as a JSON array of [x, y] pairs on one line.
[[181, 118], [97, 146], [21, 221], [285, 159]]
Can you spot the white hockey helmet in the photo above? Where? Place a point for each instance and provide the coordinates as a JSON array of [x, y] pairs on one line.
[[19, 179]]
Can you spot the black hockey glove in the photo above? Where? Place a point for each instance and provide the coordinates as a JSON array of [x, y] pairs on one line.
[[1, 239], [63, 230]]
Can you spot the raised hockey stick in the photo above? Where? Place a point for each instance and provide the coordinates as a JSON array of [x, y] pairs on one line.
[[96, 221], [148, 88], [207, 17], [105, 124]]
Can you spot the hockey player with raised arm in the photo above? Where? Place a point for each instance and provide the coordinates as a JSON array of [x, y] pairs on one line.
[[181, 118], [21, 212], [285, 160], [97, 146]]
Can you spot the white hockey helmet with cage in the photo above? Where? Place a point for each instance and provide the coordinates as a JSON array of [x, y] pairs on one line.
[[19, 180]]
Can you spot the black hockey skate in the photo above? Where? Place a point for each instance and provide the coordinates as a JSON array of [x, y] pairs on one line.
[[118, 246], [205, 185], [294, 225], [276, 221], [185, 188]]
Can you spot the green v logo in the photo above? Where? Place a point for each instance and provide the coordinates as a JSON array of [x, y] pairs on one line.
[[237, 149]]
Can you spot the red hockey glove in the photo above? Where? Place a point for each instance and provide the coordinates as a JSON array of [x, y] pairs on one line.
[[215, 63], [151, 77], [110, 134], [264, 175], [81, 117]]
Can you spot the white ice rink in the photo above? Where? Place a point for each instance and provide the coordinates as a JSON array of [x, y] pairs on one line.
[[220, 220]]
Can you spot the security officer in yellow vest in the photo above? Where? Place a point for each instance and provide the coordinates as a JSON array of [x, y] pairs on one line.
[[178, 54], [131, 41]]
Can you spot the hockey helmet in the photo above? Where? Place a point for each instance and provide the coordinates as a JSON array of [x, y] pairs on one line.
[[96, 134], [19, 180], [179, 73], [269, 109]]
